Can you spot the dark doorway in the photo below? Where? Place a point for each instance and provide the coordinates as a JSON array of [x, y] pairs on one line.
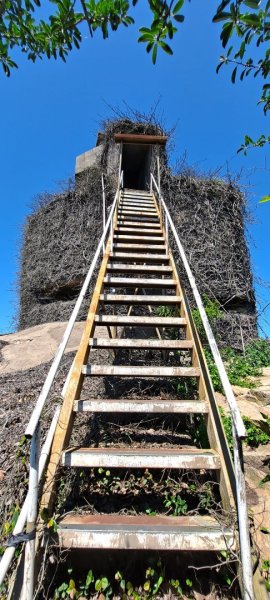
[[136, 160]]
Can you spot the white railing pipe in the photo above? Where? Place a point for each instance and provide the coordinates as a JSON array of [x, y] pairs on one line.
[[236, 416], [29, 560], [238, 427], [59, 353], [20, 524], [103, 208]]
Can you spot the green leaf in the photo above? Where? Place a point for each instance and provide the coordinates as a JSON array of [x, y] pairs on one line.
[[165, 47], [251, 19], [179, 18], [178, 6], [221, 16], [234, 74], [252, 3], [226, 33], [154, 54], [264, 199]]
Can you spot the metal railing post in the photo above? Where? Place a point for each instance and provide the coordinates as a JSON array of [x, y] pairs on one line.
[[103, 208], [29, 565]]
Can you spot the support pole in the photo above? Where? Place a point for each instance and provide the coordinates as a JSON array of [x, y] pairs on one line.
[[103, 209], [243, 520], [19, 527], [29, 567]]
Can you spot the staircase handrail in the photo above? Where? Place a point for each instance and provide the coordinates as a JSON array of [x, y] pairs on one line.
[[35, 416], [238, 427]]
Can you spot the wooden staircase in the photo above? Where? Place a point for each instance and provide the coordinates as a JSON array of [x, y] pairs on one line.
[[138, 273]]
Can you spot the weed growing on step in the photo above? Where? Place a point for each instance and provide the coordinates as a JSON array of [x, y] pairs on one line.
[[120, 586]]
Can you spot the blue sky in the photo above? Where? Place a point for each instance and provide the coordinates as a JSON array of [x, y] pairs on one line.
[[51, 111]]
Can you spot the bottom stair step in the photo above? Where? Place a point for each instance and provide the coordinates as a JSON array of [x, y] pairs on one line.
[[141, 458], [198, 533], [141, 405]]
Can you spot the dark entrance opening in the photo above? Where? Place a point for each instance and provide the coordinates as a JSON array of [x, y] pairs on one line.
[[136, 159]]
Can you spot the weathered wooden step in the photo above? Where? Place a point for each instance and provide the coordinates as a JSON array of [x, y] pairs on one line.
[[137, 218], [139, 299], [140, 247], [140, 321], [124, 282], [148, 239], [137, 224], [141, 405], [137, 213], [142, 231], [194, 533], [144, 344], [127, 268], [141, 371], [134, 257], [137, 204], [142, 458], [137, 196]]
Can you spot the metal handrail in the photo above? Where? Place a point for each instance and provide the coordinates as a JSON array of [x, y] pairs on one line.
[[34, 419], [28, 513], [238, 427], [20, 524]]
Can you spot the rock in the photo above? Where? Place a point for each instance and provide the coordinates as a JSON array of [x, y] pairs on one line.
[[258, 497], [258, 458], [34, 346]]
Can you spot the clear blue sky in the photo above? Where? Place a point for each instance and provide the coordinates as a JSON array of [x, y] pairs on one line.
[[50, 112]]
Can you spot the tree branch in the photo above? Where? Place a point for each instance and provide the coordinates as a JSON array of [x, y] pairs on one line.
[[86, 17]]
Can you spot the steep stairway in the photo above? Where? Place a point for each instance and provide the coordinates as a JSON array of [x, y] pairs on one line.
[[137, 282]]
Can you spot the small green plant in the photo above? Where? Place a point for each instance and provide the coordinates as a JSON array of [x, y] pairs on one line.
[[8, 526], [265, 568], [154, 578], [256, 436], [165, 311], [213, 311], [198, 432], [175, 583], [176, 504]]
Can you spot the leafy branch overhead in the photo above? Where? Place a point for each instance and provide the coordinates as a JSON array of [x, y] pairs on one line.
[[245, 33]]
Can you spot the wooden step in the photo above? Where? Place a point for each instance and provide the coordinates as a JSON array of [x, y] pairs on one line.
[[125, 282], [139, 247], [140, 321], [138, 219], [141, 231], [157, 258], [145, 299], [142, 458], [137, 203], [144, 344], [127, 268], [137, 196], [141, 371], [141, 405], [137, 213], [143, 532], [137, 224], [148, 239]]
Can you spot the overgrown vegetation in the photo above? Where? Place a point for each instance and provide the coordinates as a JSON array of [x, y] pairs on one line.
[[155, 579], [256, 434], [242, 366]]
